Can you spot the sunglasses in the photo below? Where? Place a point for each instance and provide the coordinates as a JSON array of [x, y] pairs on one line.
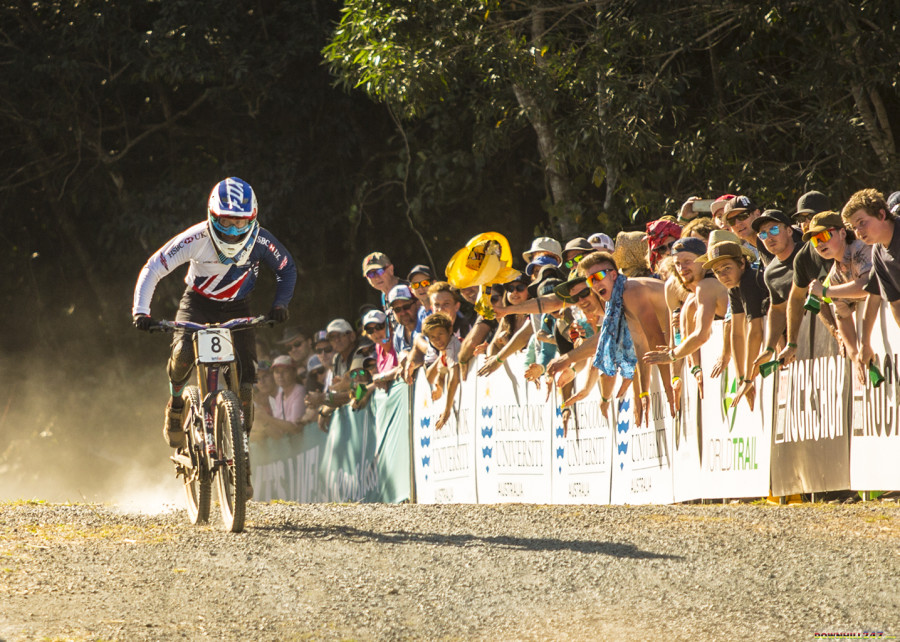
[[598, 276], [373, 327], [743, 216], [821, 237], [515, 287], [327, 350], [575, 260], [585, 293], [371, 274], [403, 308], [359, 373], [421, 284], [495, 299], [802, 218], [775, 230]]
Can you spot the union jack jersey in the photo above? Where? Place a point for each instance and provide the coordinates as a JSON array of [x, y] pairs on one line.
[[208, 276]]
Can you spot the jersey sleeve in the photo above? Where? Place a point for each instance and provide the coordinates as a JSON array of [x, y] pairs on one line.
[[282, 264], [173, 254]]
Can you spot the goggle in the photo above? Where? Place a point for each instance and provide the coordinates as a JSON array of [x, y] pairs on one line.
[[574, 298], [598, 276], [775, 230], [371, 274], [821, 237], [236, 227], [373, 327], [575, 260], [403, 308], [515, 287], [743, 216], [424, 283]]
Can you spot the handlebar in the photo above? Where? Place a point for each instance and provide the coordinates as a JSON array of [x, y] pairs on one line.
[[239, 323]]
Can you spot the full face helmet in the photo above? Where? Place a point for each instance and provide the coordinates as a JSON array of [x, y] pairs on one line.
[[232, 219]]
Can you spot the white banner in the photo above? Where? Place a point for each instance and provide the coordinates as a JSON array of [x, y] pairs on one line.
[[444, 460], [582, 455]]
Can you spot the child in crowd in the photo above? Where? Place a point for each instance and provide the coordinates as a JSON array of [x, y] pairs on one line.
[[438, 329]]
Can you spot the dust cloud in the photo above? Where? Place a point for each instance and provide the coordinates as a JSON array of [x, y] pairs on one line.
[[74, 433]]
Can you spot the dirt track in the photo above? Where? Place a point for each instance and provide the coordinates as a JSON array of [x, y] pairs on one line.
[[451, 572]]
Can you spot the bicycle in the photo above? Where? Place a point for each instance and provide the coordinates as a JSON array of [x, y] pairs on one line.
[[217, 445]]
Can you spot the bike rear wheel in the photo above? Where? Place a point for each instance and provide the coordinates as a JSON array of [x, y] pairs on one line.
[[197, 482], [232, 458]]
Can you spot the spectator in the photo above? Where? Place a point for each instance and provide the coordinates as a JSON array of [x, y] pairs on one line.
[[299, 348], [660, 237], [405, 308], [739, 214], [482, 332], [266, 389], [288, 406], [601, 242], [700, 228], [808, 265], [437, 329], [545, 260], [717, 210], [516, 292], [873, 222], [730, 262], [631, 254], [777, 236], [636, 320], [847, 279], [542, 345], [322, 349], [386, 362], [706, 301], [575, 250], [420, 279], [543, 246], [345, 344], [444, 298]]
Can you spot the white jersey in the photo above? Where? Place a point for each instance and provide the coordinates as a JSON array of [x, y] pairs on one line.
[[211, 278]]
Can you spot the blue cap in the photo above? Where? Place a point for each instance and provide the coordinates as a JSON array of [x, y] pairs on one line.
[[540, 262]]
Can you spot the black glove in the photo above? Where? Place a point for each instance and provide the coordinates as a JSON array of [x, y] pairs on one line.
[[142, 322], [278, 314]]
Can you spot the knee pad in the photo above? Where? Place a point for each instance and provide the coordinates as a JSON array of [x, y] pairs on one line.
[[181, 361]]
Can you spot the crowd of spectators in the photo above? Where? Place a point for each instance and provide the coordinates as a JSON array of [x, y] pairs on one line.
[[637, 307]]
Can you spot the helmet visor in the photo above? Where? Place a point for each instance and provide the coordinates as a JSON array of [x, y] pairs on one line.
[[231, 227]]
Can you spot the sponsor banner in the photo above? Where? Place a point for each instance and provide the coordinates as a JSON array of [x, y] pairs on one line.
[[354, 461], [582, 455], [810, 440], [444, 460], [687, 483], [513, 438], [642, 456], [734, 440], [874, 420]]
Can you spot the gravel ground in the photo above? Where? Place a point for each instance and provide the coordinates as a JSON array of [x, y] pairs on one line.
[[337, 572]]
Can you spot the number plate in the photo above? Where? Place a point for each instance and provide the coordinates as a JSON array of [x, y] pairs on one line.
[[214, 346]]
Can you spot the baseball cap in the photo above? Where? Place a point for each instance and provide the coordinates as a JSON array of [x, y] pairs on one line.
[[812, 203], [374, 261], [399, 292], [373, 316], [320, 335], [314, 363], [770, 216], [283, 360], [718, 205], [338, 325], [740, 204], [543, 244], [420, 269], [601, 241], [893, 203], [540, 262], [823, 221], [689, 244]]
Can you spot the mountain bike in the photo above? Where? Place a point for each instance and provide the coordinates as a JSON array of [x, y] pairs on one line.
[[217, 447]]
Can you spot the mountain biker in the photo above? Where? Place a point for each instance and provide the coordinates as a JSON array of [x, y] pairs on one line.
[[224, 253]]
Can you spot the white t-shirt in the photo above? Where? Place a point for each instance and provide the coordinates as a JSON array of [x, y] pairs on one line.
[[290, 408]]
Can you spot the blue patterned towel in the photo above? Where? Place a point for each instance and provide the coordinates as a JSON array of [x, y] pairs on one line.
[[615, 349]]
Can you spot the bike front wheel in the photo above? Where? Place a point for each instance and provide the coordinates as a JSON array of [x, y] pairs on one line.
[[197, 482], [231, 461]]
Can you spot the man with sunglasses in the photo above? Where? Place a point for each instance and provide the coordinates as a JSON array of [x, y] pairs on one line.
[[808, 266], [575, 250], [644, 310], [776, 233], [739, 214], [420, 279], [298, 347]]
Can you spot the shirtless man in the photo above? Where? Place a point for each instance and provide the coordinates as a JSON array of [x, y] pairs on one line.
[[707, 300]]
